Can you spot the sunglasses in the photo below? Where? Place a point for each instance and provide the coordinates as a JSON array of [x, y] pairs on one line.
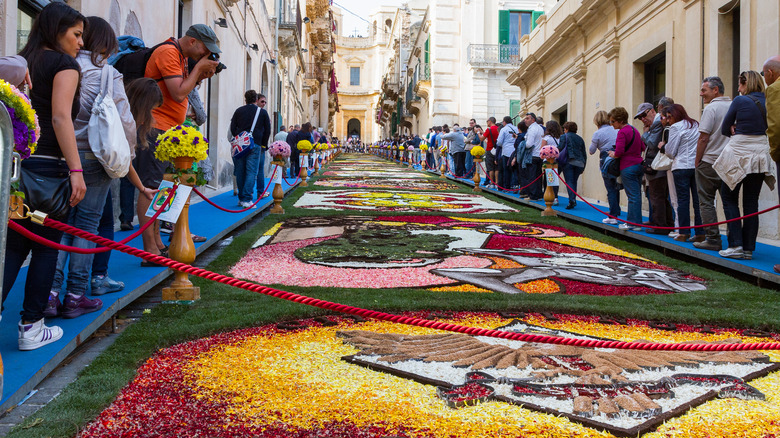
[[643, 115]]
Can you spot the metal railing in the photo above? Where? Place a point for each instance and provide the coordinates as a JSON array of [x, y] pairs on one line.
[[494, 54], [290, 16], [313, 71], [425, 72]]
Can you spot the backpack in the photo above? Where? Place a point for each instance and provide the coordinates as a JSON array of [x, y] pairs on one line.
[[133, 56]]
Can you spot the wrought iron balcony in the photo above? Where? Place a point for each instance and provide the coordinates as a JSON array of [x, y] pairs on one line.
[[493, 54], [424, 72], [290, 16]]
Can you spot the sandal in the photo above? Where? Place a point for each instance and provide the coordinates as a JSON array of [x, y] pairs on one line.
[[196, 238]]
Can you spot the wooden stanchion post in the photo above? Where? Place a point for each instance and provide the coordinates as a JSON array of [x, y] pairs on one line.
[[181, 248]]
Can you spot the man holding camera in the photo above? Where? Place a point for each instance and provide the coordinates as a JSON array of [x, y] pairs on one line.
[[168, 65]]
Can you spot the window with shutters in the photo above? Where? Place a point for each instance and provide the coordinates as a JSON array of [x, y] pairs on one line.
[[512, 25]]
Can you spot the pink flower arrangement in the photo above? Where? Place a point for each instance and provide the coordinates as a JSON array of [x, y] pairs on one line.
[[548, 152], [279, 148]]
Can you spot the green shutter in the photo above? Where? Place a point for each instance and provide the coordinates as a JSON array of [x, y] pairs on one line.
[[514, 107], [534, 16], [427, 50], [503, 27]]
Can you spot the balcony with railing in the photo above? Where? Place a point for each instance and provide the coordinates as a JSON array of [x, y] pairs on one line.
[[290, 16], [424, 72], [494, 55], [314, 72], [362, 42]]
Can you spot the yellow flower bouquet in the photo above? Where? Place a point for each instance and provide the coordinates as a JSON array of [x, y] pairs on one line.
[[26, 129], [477, 151], [181, 141], [305, 146]]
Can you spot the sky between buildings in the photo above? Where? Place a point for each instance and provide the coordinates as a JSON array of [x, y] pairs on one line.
[[361, 8]]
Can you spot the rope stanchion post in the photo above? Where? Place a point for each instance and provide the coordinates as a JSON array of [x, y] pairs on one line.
[[304, 173], [316, 162], [443, 168], [182, 249], [477, 178], [278, 193], [549, 193]]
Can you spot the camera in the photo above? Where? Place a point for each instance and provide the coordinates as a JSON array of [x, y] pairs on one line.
[[220, 66]]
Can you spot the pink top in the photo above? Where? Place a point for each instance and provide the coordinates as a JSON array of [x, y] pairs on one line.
[[630, 153]]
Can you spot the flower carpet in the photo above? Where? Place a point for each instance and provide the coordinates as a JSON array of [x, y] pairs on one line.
[[450, 253], [344, 377], [387, 201], [383, 232]]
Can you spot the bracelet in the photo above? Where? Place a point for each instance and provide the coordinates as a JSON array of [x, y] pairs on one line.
[[76, 170]]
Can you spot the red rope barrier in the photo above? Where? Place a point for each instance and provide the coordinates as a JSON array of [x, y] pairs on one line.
[[666, 228], [509, 190], [259, 197], [16, 227], [399, 319]]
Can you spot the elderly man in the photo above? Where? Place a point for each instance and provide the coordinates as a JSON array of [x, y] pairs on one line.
[[771, 73], [711, 143], [657, 183]]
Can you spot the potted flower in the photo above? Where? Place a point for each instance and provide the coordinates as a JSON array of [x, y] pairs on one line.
[[182, 146], [279, 150], [477, 152], [26, 132], [305, 147]]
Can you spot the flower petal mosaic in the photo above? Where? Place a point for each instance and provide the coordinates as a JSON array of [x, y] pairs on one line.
[[386, 201], [346, 377], [500, 256]]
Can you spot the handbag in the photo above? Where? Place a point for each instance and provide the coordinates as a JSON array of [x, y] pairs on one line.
[[49, 194], [241, 144], [661, 162], [105, 131], [563, 155], [613, 167]]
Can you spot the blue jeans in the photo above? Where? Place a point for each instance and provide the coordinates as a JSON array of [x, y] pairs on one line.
[[126, 200], [685, 185], [613, 196], [571, 174], [245, 170], [84, 216], [261, 172], [40, 273], [741, 233], [632, 183], [106, 231], [469, 162]]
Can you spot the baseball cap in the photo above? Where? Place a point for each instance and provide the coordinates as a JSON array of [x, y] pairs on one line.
[[206, 35], [642, 108]]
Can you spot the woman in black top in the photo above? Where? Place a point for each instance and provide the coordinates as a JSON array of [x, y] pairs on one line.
[[55, 39]]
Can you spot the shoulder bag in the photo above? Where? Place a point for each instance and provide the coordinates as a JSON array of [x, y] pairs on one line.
[[241, 144], [105, 132], [563, 155], [661, 162], [49, 194], [613, 168]]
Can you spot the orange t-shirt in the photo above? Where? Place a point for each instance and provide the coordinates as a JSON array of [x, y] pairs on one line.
[[167, 62]]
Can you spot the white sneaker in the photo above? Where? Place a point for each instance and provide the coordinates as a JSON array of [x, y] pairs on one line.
[[627, 227], [555, 202], [36, 335], [674, 235], [248, 204], [732, 253], [609, 221]]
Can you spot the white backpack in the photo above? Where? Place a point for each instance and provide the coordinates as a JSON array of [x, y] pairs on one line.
[[106, 134]]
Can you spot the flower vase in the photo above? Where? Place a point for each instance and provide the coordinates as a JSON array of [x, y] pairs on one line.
[[477, 178], [276, 180], [549, 193], [443, 167], [183, 163], [16, 207]]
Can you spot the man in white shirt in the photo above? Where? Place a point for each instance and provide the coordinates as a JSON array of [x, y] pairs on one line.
[[506, 142], [533, 141], [711, 143]]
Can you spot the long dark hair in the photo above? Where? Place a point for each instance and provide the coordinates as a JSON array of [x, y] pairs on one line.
[[144, 95], [554, 129], [100, 40], [54, 20], [678, 113]]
